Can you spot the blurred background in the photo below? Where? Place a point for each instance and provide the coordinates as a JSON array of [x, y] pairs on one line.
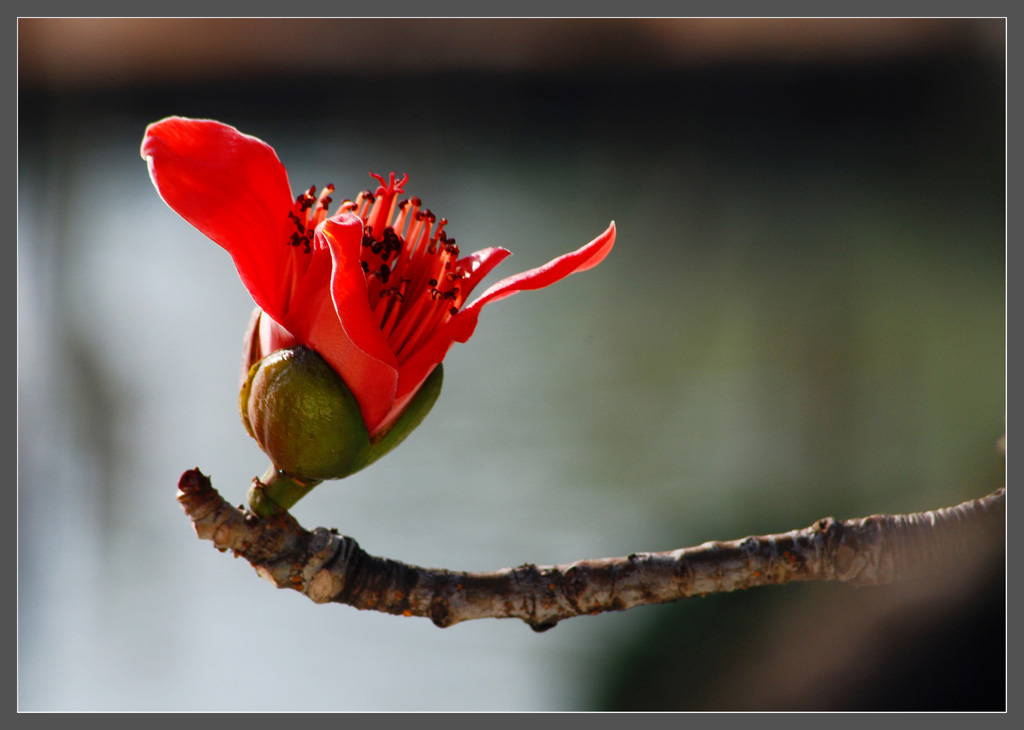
[[803, 316]]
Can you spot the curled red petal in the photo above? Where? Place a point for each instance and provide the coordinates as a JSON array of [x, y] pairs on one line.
[[461, 327], [585, 257], [346, 333], [477, 265], [233, 188]]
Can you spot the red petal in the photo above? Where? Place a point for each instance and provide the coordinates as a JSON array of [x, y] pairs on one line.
[[346, 334], [581, 259], [460, 327], [233, 188], [478, 265], [274, 337]]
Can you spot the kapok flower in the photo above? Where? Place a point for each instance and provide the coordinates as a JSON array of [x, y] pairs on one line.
[[377, 288]]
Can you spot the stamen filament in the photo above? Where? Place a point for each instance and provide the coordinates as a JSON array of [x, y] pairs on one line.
[[410, 266]]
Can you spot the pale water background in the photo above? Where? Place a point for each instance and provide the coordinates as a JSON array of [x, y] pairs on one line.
[[803, 316]]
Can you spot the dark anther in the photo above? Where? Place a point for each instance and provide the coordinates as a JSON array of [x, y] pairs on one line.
[[366, 267], [432, 282], [453, 311]]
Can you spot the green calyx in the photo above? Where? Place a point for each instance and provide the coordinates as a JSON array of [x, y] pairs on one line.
[[303, 416], [308, 422]]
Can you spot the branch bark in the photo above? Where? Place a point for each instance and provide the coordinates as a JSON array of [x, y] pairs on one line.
[[329, 567]]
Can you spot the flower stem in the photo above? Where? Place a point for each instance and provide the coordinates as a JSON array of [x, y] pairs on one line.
[[276, 492]]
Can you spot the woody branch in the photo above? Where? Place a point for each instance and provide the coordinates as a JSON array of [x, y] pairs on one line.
[[329, 567]]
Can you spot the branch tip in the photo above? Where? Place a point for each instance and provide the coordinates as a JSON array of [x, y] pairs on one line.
[[194, 481]]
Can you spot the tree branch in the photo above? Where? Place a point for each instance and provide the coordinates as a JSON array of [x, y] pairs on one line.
[[329, 567]]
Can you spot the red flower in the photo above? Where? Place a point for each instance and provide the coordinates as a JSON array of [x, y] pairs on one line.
[[378, 288]]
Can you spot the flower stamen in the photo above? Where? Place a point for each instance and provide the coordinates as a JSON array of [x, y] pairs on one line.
[[384, 206], [409, 265], [309, 211]]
